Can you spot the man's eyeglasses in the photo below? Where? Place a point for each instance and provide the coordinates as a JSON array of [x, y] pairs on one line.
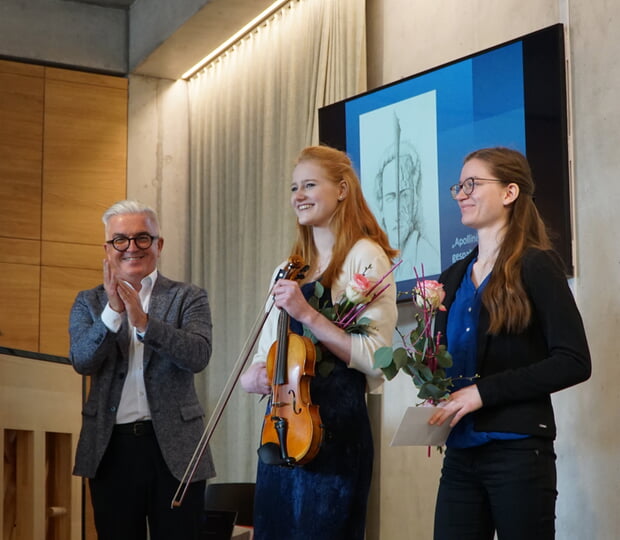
[[468, 185], [122, 243]]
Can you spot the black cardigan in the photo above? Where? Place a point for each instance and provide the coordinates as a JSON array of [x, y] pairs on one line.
[[518, 372]]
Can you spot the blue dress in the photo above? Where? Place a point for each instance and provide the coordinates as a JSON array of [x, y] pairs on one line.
[[325, 499]]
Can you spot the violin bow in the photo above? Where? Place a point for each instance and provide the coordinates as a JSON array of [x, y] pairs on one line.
[[295, 263], [201, 447]]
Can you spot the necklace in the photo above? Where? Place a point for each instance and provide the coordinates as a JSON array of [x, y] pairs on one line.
[[485, 266], [481, 270], [320, 268]]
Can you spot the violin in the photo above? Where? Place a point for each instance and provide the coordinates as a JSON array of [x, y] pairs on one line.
[[292, 430], [275, 447]]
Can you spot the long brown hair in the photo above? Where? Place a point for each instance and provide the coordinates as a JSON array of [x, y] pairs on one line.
[[504, 296], [352, 219]]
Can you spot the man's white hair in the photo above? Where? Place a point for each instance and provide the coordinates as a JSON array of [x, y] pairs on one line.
[[130, 207]]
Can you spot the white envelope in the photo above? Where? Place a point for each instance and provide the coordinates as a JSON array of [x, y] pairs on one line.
[[414, 429]]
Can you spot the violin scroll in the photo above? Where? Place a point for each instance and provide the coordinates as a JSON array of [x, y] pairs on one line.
[[294, 269]]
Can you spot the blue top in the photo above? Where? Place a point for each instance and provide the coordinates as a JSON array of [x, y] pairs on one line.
[[462, 334]]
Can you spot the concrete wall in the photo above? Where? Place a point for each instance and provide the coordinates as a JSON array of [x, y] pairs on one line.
[[405, 38], [589, 437], [64, 33], [90, 37], [157, 162], [151, 22]]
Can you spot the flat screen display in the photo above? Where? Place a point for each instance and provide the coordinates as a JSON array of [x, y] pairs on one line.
[[408, 139]]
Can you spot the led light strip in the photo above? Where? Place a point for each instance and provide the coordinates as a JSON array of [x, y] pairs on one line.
[[254, 23]]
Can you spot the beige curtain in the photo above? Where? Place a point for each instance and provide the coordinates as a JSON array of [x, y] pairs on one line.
[[251, 112]]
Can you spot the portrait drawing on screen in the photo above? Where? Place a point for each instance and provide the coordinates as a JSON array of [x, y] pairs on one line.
[[398, 170]]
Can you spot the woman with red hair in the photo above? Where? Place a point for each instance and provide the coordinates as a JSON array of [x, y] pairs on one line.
[[338, 237]]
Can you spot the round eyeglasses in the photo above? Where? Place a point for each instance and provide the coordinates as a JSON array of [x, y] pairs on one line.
[[122, 243], [467, 186]]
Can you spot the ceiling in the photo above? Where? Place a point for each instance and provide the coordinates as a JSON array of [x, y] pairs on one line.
[[119, 4], [183, 47]]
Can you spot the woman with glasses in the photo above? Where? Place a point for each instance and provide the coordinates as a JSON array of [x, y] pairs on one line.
[[515, 336]]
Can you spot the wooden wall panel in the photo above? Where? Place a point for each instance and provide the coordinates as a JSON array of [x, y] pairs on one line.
[[84, 172], [8, 476], [58, 467], [18, 68], [59, 287], [20, 251], [30, 506], [40, 405], [63, 154], [63, 140], [39, 395], [19, 297], [21, 149], [84, 166], [83, 77], [73, 255]]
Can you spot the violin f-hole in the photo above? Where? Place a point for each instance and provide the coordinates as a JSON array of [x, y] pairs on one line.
[[296, 410]]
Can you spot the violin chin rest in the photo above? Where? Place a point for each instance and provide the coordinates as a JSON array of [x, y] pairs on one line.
[[270, 454]]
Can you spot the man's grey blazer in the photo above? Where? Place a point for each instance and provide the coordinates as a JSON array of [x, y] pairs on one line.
[[177, 344]]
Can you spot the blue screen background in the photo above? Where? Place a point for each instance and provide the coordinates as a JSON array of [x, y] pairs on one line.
[[480, 103]]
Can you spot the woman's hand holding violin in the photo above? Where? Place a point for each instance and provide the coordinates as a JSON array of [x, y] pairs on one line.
[[288, 296], [255, 379]]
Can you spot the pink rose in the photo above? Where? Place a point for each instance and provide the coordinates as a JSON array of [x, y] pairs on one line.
[[357, 289], [430, 294]]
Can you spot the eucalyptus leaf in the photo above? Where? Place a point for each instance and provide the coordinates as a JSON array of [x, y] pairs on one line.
[[357, 329], [425, 372], [400, 357], [439, 375], [330, 313], [383, 357], [435, 392], [390, 372], [414, 337], [318, 354], [421, 351], [319, 290], [444, 358], [424, 392], [408, 370]]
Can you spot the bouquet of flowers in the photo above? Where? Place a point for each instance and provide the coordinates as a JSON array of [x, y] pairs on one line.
[[421, 356], [346, 312]]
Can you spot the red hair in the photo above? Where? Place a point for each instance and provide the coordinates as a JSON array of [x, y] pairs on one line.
[[352, 219]]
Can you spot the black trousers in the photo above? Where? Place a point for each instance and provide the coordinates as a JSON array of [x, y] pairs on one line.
[[133, 485], [503, 486]]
